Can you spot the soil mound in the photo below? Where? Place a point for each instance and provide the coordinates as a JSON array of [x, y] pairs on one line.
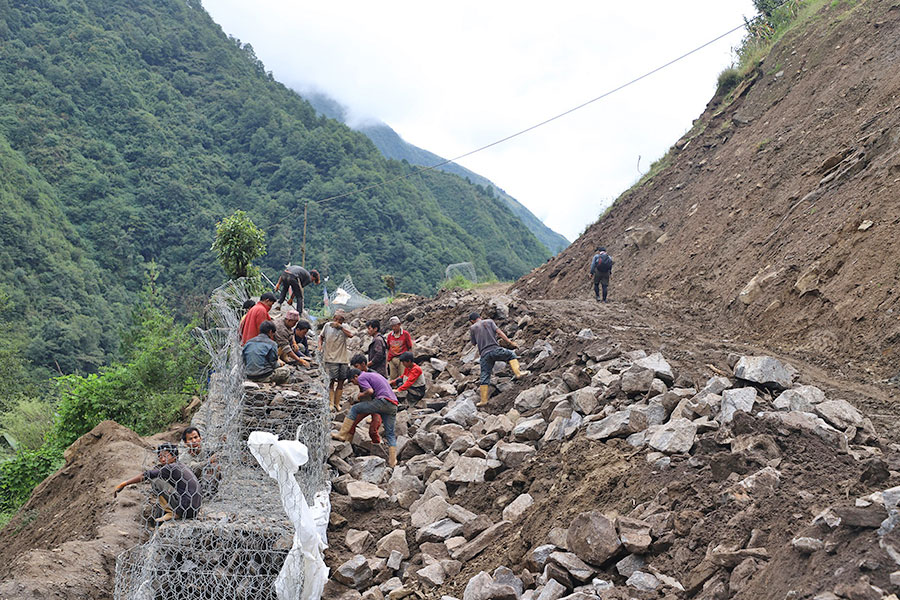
[[775, 218]]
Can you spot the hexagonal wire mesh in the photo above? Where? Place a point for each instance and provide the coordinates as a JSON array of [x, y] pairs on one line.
[[465, 270], [240, 536]]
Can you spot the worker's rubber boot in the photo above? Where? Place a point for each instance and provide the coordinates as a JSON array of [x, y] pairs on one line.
[[168, 513], [392, 456], [516, 369], [485, 393], [344, 434]]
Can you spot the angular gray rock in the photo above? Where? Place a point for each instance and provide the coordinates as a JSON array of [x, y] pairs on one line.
[[675, 437], [462, 412], [808, 422], [531, 398], [734, 400], [593, 538], [439, 531], [473, 548], [634, 534], [364, 495], [644, 582], [428, 511], [801, 398], [636, 380], [576, 567], [432, 576], [619, 424], [553, 590], [483, 587], [395, 541], [560, 428], [839, 413], [807, 545], [358, 541], [631, 563], [355, 573], [585, 400], [369, 468], [539, 556], [765, 370], [473, 470], [515, 509], [658, 365], [505, 576], [513, 455], [529, 429]]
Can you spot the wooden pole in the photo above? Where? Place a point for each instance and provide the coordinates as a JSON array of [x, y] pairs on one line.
[[303, 248]]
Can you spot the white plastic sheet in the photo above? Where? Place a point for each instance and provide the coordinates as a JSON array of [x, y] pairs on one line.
[[304, 572]]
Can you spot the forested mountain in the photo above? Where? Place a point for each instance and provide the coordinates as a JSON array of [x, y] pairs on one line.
[[393, 146], [129, 128]]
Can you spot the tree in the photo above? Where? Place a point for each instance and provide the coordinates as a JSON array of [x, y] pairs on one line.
[[238, 241], [390, 283]]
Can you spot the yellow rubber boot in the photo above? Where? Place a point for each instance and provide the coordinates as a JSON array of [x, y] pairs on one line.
[[485, 392], [392, 456], [344, 434], [516, 369]]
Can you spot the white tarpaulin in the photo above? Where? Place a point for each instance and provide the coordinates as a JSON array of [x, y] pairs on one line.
[[304, 572]]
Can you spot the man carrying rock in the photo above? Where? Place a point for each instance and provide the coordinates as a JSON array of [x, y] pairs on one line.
[[333, 345], [296, 278], [383, 402], [483, 334], [284, 337], [601, 268]]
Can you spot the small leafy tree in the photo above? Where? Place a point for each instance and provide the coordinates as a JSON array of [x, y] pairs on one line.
[[238, 241], [390, 283]]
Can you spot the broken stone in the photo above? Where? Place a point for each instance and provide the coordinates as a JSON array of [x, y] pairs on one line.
[[801, 398], [585, 399], [515, 509], [560, 428], [529, 429], [553, 590], [473, 470], [354, 573], [577, 568], [631, 563], [432, 575], [531, 398], [364, 495], [513, 455], [429, 511], [636, 380], [369, 468], [618, 424], [475, 526], [439, 531], [644, 582], [809, 422], [462, 413], [728, 557], [553, 571], [358, 541], [675, 437], [634, 534], [734, 400], [539, 556], [592, 537], [658, 365], [764, 480], [471, 549], [395, 541], [839, 413], [765, 370], [505, 576], [394, 560], [807, 545], [483, 587]]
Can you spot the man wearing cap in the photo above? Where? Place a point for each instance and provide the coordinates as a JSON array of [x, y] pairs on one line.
[[333, 346], [255, 317], [398, 342], [181, 498], [295, 278], [483, 334], [288, 351], [383, 402]]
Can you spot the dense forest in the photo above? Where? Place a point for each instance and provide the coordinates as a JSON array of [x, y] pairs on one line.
[[129, 128]]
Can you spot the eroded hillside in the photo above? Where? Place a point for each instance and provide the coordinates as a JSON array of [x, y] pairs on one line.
[[775, 217]]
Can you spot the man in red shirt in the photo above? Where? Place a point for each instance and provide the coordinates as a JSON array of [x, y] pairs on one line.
[[256, 316], [398, 342], [414, 384]]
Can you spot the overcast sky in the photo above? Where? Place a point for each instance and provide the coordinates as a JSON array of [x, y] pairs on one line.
[[451, 77]]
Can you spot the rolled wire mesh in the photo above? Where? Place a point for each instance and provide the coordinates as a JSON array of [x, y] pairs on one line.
[[237, 542], [347, 297], [465, 270]]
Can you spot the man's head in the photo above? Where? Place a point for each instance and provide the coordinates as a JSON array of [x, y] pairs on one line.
[[407, 359], [302, 328], [248, 304], [268, 299], [353, 376], [314, 275], [267, 328], [291, 317], [395, 324], [167, 453], [474, 316], [373, 326], [601, 249], [339, 317], [359, 361], [191, 438]]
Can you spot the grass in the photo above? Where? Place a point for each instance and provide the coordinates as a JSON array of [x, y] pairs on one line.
[[458, 282]]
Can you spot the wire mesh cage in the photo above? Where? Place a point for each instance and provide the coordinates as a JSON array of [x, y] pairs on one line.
[[466, 270], [347, 297], [233, 539]]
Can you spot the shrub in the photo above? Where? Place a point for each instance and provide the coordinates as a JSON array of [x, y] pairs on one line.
[[728, 80], [28, 423], [20, 474]]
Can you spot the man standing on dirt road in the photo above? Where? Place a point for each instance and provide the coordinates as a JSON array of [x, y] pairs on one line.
[[601, 268], [483, 333]]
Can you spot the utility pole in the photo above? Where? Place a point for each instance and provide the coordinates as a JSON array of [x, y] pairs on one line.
[[303, 248]]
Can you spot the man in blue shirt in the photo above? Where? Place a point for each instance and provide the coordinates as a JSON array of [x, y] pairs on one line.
[[260, 354]]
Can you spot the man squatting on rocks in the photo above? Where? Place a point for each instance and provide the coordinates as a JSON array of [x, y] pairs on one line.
[[483, 333], [178, 488], [383, 402], [202, 463], [411, 381], [288, 349], [601, 269], [260, 354], [333, 346], [295, 278]]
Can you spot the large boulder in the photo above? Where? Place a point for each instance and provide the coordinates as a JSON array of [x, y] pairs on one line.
[[618, 424], [473, 470], [531, 398], [808, 422], [513, 455], [439, 531], [529, 429], [658, 364], [839, 413], [585, 400], [483, 587], [593, 538], [515, 509], [462, 412], [428, 511], [637, 380], [801, 398], [737, 399], [766, 371], [355, 573], [395, 541], [364, 495]]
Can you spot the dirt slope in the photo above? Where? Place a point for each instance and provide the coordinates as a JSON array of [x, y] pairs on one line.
[[793, 179]]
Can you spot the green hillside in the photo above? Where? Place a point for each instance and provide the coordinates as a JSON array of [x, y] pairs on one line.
[[137, 125]]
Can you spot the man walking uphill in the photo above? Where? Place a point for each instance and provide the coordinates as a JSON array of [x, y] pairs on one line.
[[483, 334], [296, 278], [601, 268]]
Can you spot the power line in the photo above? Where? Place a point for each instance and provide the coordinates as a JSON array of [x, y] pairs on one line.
[[421, 169]]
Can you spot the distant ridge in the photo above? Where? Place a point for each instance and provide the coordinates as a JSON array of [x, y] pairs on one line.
[[391, 145]]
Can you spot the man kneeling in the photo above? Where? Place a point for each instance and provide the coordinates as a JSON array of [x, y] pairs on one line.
[[178, 488], [383, 402]]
